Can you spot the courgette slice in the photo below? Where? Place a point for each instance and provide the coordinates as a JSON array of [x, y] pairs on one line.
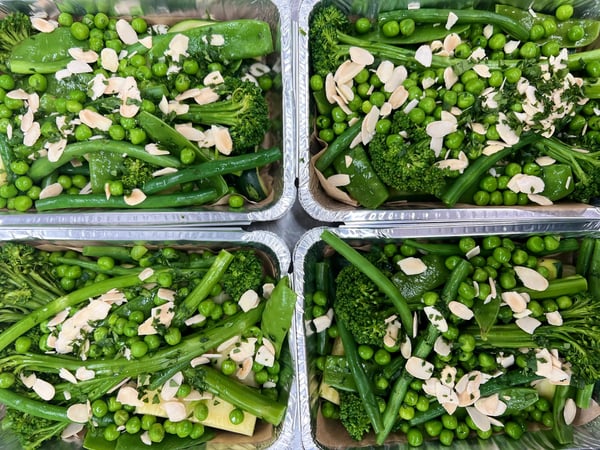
[[251, 185]]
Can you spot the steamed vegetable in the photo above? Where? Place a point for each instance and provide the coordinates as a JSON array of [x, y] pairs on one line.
[[504, 337], [154, 349]]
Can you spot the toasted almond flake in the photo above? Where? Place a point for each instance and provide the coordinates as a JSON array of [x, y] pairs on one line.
[[264, 356], [175, 411], [194, 320], [346, 72], [450, 77], [188, 131], [223, 142], [346, 94], [59, 318], [440, 128], [528, 324], [451, 41], [528, 184], [83, 374], [460, 310], [480, 420], [171, 386], [436, 318], [44, 389], [72, 431], [258, 69], [531, 278], [213, 78], [79, 412], [507, 134], [94, 119], [249, 300], [339, 179], [452, 164], [385, 70], [164, 171], [473, 252], [146, 273], [128, 395], [228, 343], [423, 55], [128, 109], [243, 372], [87, 56], [419, 368], [67, 376], [153, 149], [198, 361], [570, 411], [32, 134], [492, 148], [52, 190], [18, 94], [126, 32], [554, 318], [43, 25], [135, 198], [412, 265], [515, 301], [511, 46], [452, 19], [540, 199], [361, 56], [482, 70], [399, 75], [146, 41], [217, 40], [27, 121], [76, 66], [398, 97], [442, 347], [62, 74], [206, 96], [406, 347], [491, 406]]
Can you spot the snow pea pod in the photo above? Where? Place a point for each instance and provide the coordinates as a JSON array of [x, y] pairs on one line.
[[44, 52], [423, 34], [558, 181], [469, 16], [486, 315], [591, 28], [277, 315]]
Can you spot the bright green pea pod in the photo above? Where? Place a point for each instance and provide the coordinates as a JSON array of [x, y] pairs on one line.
[[591, 27], [104, 166], [44, 52], [558, 181], [422, 34], [365, 185], [517, 399], [277, 316], [128, 441], [231, 41]]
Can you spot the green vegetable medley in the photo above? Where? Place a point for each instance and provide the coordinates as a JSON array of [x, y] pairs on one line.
[[102, 112], [479, 106], [141, 346], [422, 340]]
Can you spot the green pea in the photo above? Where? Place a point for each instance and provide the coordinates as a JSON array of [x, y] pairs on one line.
[[37, 82], [80, 31], [236, 416], [433, 428], [512, 75], [7, 83], [139, 348], [407, 26], [365, 352], [362, 25], [120, 417], [139, 24], [201, 411], [414, 437], [65, 19], [382, 357], [156, 432], [550, 48], [391, 28], [173, 336], [529, 50], [406, 412], [497, 41], [550, 26], [481, 198], [111, 433], [422, 403], [564, 302], [465, 100]]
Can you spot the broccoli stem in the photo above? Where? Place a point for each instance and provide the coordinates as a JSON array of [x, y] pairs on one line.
[[366, 267], [242, 396], [190, 304], [93, 266], [66, 301], [583, 397]]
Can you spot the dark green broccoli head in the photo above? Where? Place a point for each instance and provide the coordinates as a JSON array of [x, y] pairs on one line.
[[31, 431], [135, 172], [244, 272], [353, 415], [406, 164], [20, 256], [360, 306], [325, 22], [14, 28]]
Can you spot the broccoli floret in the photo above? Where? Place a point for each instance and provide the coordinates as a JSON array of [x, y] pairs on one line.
[[325, 52], [244, 110], [135, 173], [31, 431], [14, 28], [406, 164], [353, 415], [244, 272], [361, 307]]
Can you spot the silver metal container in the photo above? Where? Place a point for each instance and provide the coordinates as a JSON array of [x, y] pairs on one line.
[[322, 207], [310, 249], [277, 256], [283, 174]]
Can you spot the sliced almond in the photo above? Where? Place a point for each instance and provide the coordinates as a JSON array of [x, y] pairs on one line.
[[460, 310], [223, 142], [264, 356], [164, 171], [570, 411], [67, 376], [424, 56], [528, 324], [480, 420], [385, 70], [79, 412], [145, 274], [347, 71], [135, 198], [406, 347], [491, 406], [44, 389], [56, 149], [419, 368], [51, 190], [450, 77], [515, 301], [243, 372], [128, 395], [77, 66], [507, 134], [43, 25], [440, 128], [473, 252], [213, 78], [94, 119], [339, 179], [540, 199], [452, 19], [126, 32], [32, 134], [412, 265], [83, 373], [554, 318], [453, 164], [171, 386], [441, 346], [436, 318], [531, 278], [88, 56], [249, 300], [398, 77], [361, 56], [398, 97], [72, 432], [175, 411], [511, 46]]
